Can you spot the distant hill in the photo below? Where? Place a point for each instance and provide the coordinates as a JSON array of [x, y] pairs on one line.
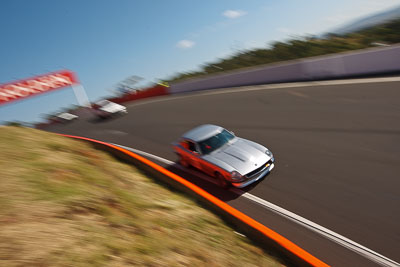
[[369, 21]]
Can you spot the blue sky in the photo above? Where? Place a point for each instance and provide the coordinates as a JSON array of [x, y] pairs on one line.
[[106, 41]]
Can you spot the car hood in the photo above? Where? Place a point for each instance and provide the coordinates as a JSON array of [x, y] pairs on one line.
[[240, 155]]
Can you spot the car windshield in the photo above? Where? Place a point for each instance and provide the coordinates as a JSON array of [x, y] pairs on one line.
[[103, 103], [209, 145]]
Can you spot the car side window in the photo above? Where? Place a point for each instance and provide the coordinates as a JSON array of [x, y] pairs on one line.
[[192, 146], [185, 144]]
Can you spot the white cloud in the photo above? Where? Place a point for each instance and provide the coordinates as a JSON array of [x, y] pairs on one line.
[[233, 14], [185, 44]]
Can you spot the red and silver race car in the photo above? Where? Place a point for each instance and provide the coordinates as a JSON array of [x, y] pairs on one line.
[[219, 153]]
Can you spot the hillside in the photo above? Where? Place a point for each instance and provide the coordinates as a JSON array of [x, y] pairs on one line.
[[63, 203]]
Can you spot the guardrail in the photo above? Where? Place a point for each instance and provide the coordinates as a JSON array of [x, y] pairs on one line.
[[256, 231], [366, 62]]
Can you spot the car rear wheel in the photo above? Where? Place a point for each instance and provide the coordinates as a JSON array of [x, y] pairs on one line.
[[221, 181]]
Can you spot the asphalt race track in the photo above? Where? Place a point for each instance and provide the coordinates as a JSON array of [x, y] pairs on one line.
[[337, 151]]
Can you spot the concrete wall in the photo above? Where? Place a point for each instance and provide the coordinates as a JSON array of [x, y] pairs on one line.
[[356, 63]]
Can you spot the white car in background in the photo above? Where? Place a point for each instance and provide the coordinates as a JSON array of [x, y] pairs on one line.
[[64, 117], [106, 108]]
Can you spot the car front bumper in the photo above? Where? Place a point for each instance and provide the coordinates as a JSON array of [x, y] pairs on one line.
[[256, 178]]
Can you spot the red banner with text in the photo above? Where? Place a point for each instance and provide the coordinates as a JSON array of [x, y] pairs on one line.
[[36, 85]]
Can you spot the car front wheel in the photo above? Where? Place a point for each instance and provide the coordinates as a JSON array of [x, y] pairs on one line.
[[221, 181]]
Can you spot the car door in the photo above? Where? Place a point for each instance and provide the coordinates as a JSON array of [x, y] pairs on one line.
[[193, 154], [203, 164]]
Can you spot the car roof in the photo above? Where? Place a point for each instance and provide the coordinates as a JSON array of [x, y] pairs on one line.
[[202, 132]]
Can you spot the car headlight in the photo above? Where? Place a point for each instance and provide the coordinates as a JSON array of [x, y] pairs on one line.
[[269, 153], [236, 177]]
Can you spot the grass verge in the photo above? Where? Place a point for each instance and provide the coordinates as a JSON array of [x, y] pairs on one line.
[[63, 203]]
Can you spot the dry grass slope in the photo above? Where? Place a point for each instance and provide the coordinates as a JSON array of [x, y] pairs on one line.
[[62, 203]]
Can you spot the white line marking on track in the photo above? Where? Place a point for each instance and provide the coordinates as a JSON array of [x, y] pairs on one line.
[[116, 132], [335, 237]]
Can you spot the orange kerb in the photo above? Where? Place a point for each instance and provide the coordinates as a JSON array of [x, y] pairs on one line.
[[285, 243]]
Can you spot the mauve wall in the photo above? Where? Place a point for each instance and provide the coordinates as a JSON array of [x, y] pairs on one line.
[[356, 63]]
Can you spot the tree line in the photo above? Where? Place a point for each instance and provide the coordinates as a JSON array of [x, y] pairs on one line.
[[301, 47]]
